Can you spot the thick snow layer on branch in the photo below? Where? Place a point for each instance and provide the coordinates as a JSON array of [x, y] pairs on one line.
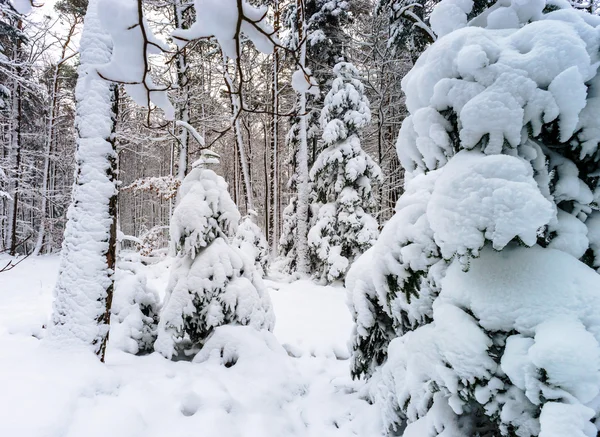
[[479, 198], [133, 43], [219, 18], [304, 82], [499, 82], [450, 15], [552, 362], [192, 130]]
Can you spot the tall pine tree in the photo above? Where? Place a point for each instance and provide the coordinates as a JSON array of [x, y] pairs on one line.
[[342, 180]]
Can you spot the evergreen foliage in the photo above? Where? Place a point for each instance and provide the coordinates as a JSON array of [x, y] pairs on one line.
[[342, 179], [459, 303], [212, 282]]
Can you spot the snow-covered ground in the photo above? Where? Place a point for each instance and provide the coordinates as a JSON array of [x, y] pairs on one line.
[[307, 391]]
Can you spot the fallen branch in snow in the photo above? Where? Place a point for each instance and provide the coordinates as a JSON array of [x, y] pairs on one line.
[[12, 264]]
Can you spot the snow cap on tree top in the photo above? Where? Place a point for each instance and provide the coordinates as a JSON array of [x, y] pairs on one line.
[[345, 70], [206, 157]]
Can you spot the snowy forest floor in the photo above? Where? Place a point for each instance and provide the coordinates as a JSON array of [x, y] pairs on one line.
[[46, 392]]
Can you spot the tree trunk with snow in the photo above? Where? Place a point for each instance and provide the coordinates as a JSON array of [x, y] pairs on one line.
[[16, 174], [184, 97], [302, 157], [15, 146], [236, 109], [273, 191], [81, 311]]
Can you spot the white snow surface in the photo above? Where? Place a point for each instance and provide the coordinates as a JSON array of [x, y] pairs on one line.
[[266, 393], [481, 197]]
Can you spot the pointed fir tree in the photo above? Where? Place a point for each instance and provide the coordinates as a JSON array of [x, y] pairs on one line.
[[481, 274], [326, 36], [342, 180], [212, 283]]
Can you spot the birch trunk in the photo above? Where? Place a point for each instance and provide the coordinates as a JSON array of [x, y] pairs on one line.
[[184, 98]]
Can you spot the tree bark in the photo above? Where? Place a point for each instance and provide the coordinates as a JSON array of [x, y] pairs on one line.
[[302, 158], [84, 289]]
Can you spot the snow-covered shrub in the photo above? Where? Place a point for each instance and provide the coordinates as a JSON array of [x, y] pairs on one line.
[[250, 239], [481, 274], [135, 310], [152, 241], [342, 178], [212, 283]]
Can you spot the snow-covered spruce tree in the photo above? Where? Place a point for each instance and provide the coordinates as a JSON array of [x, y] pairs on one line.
[[250, 239], [212, 283], [85, 283], [482, 274], [342, 178], [316, 32]]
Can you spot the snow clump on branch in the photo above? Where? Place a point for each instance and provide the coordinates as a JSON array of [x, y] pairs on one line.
[[219, 18]]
